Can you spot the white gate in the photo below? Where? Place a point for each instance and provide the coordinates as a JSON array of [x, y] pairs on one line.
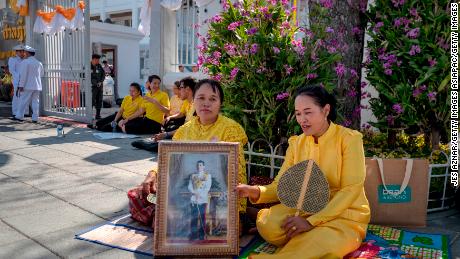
[[66, 61]]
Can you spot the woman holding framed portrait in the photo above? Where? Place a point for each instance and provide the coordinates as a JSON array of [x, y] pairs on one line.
[[340, 226], [208, 125]]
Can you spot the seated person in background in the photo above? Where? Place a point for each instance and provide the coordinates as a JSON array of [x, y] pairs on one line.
[[130, 105], [176, 103], [208, 125], [195, 68], [187, 86], [155, 106]]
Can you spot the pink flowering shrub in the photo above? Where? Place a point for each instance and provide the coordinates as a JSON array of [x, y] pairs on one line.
[[261, 57], [408, 64]]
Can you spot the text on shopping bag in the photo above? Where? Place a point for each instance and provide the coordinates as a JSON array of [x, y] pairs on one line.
[[392, 194]]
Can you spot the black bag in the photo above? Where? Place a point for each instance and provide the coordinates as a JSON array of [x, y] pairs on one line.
[[146, 145]]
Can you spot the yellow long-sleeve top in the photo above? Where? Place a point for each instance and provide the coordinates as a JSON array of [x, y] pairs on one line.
[[224, 129], [176, 104], [340, 155], [188, 109], [339, 228]]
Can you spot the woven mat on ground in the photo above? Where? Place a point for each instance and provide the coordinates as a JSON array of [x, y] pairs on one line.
[[115, 135], [126, 234], [385, 243]]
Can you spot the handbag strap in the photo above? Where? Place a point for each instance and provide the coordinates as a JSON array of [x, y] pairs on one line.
[[303, 190], [407, 174]]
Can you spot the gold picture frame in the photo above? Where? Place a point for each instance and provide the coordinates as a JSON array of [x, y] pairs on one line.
[[197, 208]]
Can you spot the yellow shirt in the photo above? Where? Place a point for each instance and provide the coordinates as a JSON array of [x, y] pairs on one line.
[[131, 106], [224, 129], [188, 109], [176, 104], [340, 155], [340, 227], [152, 111]]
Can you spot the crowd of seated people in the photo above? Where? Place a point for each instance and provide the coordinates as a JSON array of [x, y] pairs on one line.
[[172, 122], [155, 113]]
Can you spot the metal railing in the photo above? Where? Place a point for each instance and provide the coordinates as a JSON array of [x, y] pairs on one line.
[[433, 177], [441, 203]]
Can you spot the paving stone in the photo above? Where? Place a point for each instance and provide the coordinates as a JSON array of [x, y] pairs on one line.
[[64, 243], [83, 192], [52, 220], [9, 235], [29, 203], [25, 249]]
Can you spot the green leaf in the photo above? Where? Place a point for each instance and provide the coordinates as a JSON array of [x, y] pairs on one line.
[[444, 82]]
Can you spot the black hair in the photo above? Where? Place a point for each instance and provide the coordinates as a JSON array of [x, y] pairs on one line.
[[153, 77], [200, 162], [105, 61], [189, 82], [321, 97], [31, 53], [216, 87], [137, 86], [97, 56], [177, 84]]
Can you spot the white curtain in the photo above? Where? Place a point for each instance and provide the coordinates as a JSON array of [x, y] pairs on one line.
[[144, 25], [78, 21], [40, 26], [58, 23]]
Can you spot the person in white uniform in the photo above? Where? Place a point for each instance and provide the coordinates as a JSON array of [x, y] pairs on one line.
[[199, 186], [30, 84], [14, 67]]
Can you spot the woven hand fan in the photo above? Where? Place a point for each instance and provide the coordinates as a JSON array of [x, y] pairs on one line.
[[304, 187]]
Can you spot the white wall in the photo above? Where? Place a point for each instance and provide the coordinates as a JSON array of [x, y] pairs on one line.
[[113, 6], [212, 8], [127, 41]]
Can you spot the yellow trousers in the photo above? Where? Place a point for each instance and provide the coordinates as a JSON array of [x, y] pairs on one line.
[[333, 239]]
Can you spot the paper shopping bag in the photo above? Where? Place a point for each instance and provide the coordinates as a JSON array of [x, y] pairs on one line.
[[397, 190]]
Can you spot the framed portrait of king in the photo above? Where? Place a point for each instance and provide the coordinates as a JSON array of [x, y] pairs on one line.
[[196, 207]]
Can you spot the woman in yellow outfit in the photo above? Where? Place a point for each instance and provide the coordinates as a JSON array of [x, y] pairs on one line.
[[340, 227], [155, 106], [130, 105], [208, 125]]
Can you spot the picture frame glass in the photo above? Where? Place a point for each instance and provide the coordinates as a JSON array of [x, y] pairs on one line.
[[197, 198]]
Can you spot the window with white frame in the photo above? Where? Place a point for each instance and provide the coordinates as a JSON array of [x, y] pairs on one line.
[[186, 39]]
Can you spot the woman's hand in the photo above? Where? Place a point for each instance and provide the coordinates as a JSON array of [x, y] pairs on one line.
[[121, 123], [294, 225], [166, 120], [149, 185], [159, 136], [248, 191]]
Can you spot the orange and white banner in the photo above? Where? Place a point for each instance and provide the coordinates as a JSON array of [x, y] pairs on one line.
[[60, 19]]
